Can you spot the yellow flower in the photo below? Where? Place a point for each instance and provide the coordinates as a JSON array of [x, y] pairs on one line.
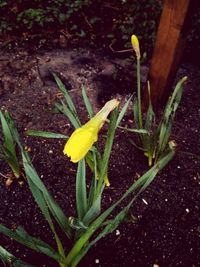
[[136, 45], [84, 137]]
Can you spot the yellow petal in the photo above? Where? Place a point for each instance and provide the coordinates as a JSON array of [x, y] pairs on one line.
[[79, 143]]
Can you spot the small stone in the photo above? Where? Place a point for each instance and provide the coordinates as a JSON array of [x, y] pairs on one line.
[[117, 232], [21, 183], [50, 151], [96, 261], [187, 210], [8, 182], [145, 202]]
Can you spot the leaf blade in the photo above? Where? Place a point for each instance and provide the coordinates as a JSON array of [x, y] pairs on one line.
[[81, 193], [87, 102], [123, 111], [46, 134]]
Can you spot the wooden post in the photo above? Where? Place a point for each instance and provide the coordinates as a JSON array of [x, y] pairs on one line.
[[171, 37]]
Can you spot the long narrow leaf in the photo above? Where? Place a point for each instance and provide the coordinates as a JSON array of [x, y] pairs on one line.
[[141, 131], [81, 193], [11, 160], [123, 111], [92, 191], [87, 102], [165, 126], [53, 206], [66, 94], [33, 176], [113, 224], [7, 134], [46, 134], [107, 150], [93, 211], [150, 116], [42, 203], [10, 260], [76, 250], [9, 146], [67, 112], [21, 236], [13, 130]]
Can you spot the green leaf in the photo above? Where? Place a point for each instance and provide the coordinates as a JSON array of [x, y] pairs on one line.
[[77, 224], [150, 116], [66, 111], [81, 193], [82, 244], [10, 260], [135, 145], [93, 211], [113, 224], [164, 128], [87, 102], [91, 160], [66, 94], [8, 139], [14, 131], [46, 134], [39, 189], [141, 131], [107, 150], [42, 203], [11, 161], [45, 203], [123, 111], [21, 236], [8, 148]]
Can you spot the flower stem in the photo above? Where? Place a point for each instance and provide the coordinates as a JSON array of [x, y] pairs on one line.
[[139, 94]]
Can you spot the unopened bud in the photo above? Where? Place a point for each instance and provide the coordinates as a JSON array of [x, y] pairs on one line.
[[136, 45]]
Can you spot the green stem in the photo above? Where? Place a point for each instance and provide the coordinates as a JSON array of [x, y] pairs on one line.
[[139, 94]]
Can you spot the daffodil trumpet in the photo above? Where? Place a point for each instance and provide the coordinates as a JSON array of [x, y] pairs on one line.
[[84, 137]]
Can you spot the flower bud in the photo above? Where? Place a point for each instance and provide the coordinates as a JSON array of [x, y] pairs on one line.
[[135, 44]]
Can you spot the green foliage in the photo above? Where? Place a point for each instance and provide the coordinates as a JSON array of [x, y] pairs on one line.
[[90, 225], [83, 18], [9, 260], [155, 142], [7, 149], [102, 21], [23, 16], [141, 17], [32, 16]]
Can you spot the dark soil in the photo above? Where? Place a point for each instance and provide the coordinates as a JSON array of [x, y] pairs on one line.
[[167, 229]]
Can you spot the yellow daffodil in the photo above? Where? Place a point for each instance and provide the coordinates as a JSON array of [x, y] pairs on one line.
[[84, 137], [136, 45]]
